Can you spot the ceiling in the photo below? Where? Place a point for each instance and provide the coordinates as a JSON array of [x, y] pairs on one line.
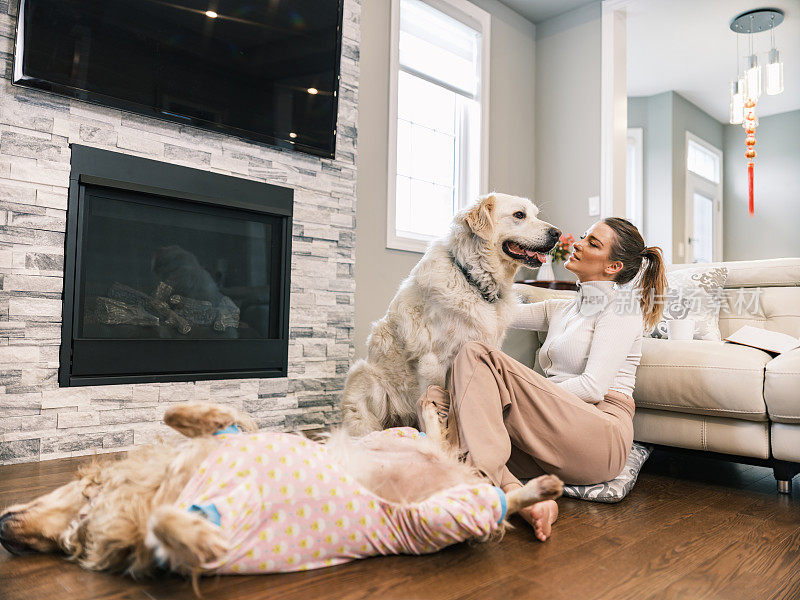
[[541, 10], [687, 46]]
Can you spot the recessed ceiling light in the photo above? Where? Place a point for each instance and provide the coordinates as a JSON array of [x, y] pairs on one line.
[[292, 135], [313, 91], [211, 14]]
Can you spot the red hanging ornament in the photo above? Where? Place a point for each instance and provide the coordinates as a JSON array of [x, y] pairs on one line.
[[749, 125]]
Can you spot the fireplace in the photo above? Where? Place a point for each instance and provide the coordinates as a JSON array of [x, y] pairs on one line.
[[172, 274]]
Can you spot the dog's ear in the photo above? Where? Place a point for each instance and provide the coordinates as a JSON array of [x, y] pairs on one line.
[[480, 218]]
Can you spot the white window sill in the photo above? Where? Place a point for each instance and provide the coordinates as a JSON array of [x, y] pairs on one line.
[[408, 244]]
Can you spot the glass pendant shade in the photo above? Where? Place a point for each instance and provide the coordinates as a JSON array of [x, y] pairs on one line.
[[774, 84], [737, 102], [752, 78]]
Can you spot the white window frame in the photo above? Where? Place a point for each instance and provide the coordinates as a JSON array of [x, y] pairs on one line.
[[707, 188], [634, 202], [480, 20]]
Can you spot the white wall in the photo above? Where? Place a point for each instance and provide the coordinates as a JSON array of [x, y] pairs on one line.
[[378, 270], [568, 71]]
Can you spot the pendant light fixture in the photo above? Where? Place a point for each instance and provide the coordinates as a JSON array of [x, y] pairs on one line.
[[746, 89]]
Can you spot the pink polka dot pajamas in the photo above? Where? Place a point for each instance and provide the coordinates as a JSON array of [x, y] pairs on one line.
[[286, 506]]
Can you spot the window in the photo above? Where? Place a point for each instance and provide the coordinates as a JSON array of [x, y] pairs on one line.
[[438, 109], [703, 160]]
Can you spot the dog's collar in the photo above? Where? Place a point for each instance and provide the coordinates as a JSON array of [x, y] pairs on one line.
[[229, 429], [490, 297]]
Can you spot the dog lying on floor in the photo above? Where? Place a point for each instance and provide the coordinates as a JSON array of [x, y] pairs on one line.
[[229, 500]]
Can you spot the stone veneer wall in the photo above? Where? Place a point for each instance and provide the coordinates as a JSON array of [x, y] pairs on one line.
[[39, 420]]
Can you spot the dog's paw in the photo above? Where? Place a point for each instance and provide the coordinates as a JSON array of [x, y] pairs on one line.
[[432, 412], [546, 487], [184, 540], [211, 546], [195, 419], [549, 487]]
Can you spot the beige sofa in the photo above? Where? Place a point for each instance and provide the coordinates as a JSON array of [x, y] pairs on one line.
[[720, 398]]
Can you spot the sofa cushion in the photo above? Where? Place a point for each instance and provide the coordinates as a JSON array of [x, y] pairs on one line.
[[700, 432], [782, 387], [702, 377], [786, 441], [768, 272], [773, 308]]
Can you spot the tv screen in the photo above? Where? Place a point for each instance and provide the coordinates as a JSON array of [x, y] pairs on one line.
[[265, 70]]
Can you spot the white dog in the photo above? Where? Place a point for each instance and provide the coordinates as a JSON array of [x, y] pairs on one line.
[[460, 291]]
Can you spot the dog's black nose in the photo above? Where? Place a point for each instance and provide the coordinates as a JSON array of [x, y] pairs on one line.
[[3, 523], [6, 539], [554, 233]]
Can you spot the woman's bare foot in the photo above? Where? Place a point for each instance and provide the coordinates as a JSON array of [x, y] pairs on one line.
[[541, 517]]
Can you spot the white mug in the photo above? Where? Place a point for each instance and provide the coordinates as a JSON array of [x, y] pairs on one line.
[[680, 329]]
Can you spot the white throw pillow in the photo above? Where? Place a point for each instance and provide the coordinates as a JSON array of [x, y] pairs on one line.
[[694, 293]]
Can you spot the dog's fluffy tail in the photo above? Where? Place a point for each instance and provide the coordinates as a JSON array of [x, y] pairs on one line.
[[365, 401]]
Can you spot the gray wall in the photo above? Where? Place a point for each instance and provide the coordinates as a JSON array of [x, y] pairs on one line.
[[568, 71], [665, 119], [378, 270], [654, 115], [773, 231]]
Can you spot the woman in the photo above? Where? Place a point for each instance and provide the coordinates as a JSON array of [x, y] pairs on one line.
[[576, 421]]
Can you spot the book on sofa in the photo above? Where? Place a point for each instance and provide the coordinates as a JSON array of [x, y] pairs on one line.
[[764, 339]]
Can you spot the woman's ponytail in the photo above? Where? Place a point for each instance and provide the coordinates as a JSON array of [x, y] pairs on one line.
[[629, 249], [653, 283]]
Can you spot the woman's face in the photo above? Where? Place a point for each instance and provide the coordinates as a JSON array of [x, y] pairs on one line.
[[589, 258]]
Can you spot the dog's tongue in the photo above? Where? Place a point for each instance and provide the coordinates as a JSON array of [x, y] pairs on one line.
[[515, 247]]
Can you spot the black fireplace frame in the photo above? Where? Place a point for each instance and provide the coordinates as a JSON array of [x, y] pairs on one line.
[[95, 361]]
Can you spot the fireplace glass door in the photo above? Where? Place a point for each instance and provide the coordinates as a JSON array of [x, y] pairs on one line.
[[160, 268]]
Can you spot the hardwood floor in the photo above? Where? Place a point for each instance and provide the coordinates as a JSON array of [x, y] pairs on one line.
[[692, 528]]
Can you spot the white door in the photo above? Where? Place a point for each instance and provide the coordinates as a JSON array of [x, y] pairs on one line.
[[703, 201]]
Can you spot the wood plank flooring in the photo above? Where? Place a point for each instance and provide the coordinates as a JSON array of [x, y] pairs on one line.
[[693, 528]]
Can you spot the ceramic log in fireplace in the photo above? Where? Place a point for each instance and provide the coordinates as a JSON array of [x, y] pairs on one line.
[[172, 274]]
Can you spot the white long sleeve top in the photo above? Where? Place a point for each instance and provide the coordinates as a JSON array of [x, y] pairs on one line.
[[594, 342]]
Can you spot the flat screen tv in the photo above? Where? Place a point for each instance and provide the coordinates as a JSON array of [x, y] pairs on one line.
[[265, 70]]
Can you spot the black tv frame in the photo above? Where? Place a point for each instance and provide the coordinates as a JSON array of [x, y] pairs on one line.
[[22, 80], [146, 359]]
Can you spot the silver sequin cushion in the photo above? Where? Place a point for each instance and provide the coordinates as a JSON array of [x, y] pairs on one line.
[[616, 489]]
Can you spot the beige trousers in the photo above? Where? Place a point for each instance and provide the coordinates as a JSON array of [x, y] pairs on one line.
[[512, 422]]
